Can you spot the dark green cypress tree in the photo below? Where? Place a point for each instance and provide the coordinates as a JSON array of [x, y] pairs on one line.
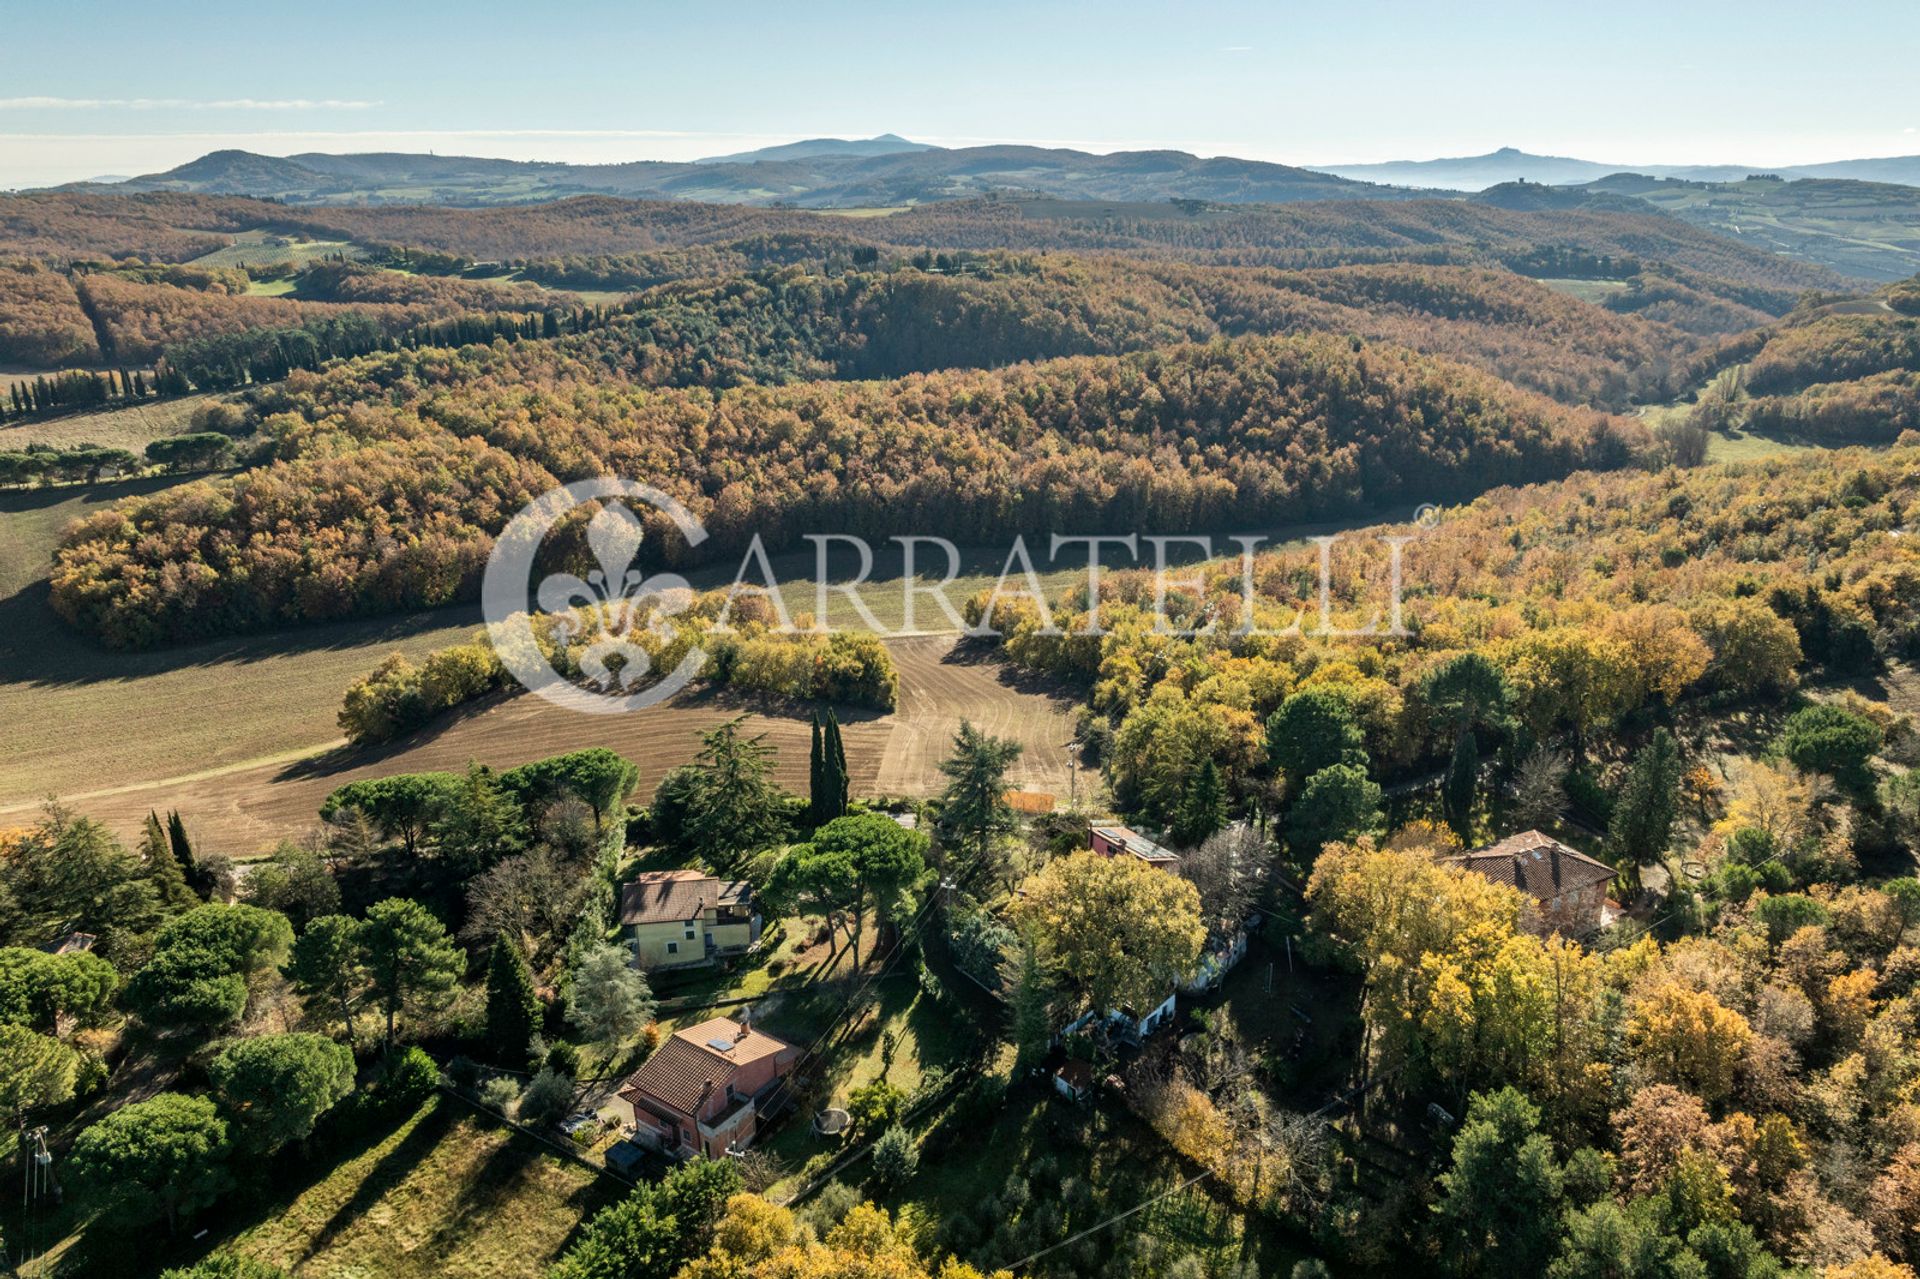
[[182, 848], [164, 872], [1203, 809], [817, 775], [834, 754], [513, 1009], [1641, 827], [1463, 774]]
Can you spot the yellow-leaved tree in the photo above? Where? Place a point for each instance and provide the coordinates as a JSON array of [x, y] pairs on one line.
[[759, 1240], [1119, 932], [1871, 1266], [1394, 910], [1511, 1008], [1686, 1038]]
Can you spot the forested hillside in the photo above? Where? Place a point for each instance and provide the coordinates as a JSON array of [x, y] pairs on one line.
[[380, 481], [41, 322], [178, 227], [1834, 373], [1002, 309], [393, 472], [1598, 598]]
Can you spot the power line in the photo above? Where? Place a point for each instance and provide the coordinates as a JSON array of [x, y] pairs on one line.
[[1097, 1227], [1664, 916], [778, 1095]]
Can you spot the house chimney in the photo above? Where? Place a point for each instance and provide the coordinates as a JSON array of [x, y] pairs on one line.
[[742, 1032]]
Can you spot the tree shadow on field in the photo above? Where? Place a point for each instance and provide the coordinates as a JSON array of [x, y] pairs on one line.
[[386, 1173], [37, 648], [496, 1181], [346, 758], [988, 653], [14, 501]]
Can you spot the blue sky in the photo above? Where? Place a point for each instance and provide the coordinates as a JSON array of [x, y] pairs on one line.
[[112, 86]]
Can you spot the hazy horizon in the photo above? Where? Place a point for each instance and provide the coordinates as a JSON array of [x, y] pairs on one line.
[[1641, 83], [158, 153]]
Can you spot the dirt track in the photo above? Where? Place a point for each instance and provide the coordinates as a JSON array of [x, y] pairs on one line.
[[243, 810]]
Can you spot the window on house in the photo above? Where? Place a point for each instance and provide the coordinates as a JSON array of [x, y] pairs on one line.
[[673, 948], [689, 933]]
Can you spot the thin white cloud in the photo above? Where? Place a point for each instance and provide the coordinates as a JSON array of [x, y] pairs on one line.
[[1237, 48], [184, 104]]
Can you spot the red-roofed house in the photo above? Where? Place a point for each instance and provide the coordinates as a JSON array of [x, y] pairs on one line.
[[1568, 888], [673, 918], [701, 1093]]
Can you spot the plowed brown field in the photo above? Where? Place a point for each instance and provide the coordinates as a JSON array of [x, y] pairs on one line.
[[243, 809]]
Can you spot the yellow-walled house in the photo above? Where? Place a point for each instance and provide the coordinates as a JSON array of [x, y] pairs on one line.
[[676, 918]]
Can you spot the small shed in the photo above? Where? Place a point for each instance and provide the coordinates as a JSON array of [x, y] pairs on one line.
[[1074, 1080], [626, 1159]]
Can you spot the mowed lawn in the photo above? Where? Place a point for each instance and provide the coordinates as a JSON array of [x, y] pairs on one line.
[[131, 428], [447, 1195]]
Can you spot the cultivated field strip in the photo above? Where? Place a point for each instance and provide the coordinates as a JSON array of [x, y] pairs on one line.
[[243, 810]]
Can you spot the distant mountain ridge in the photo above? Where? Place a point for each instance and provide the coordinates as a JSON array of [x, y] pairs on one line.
[[1508, 164], [1822, 213], [819, 173], [815, 148]]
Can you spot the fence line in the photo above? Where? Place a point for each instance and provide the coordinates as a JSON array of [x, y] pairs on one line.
[[567, 1150]]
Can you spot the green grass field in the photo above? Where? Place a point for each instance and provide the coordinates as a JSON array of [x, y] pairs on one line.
[[1725, 446], [1745, 446], [449, 1195], [1595, 291], [133, 427], [261, 247]]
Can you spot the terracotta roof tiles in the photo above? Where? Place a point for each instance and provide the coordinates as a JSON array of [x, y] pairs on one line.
[[1536, 864]]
